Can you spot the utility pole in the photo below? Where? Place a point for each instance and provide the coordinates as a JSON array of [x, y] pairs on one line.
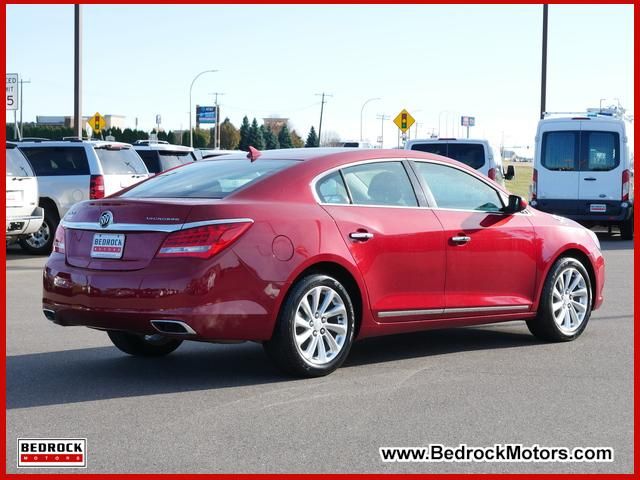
[[216, 136], [543, 83], [382, 117], [22, 82], [415, 133], [321, 111], [77, 71]]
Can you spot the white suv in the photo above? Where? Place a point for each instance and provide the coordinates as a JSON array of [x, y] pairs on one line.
[[70, 171], [24, 216], [477, 154]]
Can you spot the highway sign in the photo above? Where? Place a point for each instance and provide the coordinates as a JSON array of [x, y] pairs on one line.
[[404, 120], [206, 114], [13, 91], [468, 121], [97, 122]]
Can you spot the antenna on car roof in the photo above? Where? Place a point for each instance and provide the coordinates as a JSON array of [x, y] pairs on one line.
[[253, 154]]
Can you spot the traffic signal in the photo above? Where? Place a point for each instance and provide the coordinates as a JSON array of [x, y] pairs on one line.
[[403, 121]]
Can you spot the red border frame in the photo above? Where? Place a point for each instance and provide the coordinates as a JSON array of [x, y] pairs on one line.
[[636, 256]]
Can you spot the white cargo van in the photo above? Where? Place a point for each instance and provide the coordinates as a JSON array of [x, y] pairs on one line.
[[477, 154], [583, 170]]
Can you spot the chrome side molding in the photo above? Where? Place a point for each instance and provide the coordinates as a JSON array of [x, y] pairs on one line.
[[444, 311]]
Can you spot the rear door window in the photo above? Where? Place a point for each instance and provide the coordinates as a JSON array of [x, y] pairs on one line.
[[471, 154], [118, 160], [17, 164], [559, 150], [57, 161], [331, 189], [380, 183], [602, 152]]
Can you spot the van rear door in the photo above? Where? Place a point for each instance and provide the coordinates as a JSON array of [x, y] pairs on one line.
[[601, 167], [558, 167]]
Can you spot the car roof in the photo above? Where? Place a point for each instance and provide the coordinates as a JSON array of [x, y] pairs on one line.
[[73, 143]]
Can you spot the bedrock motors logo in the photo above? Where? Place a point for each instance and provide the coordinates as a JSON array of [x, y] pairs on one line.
[[52, 452]]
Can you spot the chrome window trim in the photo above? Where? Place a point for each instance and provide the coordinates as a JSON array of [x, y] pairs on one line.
[[445, 311], [148, 227]]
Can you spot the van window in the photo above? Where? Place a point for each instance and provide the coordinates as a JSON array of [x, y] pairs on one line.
[[57, 161], [559, 151], [117, 160], [602, 151], [471, 154]]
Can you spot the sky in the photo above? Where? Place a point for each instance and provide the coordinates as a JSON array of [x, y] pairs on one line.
[[437, 61]]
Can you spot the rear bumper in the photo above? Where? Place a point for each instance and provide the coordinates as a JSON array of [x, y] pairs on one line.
[[580, 210], [25, 225], [215, 301]]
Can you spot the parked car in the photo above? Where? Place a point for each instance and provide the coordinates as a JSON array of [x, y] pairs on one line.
[[583, 170], [356, 144], [70, 171], [161, 156], [24, 216], [478, 154], [305, 250]]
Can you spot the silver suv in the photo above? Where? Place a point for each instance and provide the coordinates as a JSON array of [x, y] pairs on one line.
[[70, 171]]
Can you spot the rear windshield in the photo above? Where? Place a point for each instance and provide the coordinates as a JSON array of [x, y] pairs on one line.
[[563, 151], [120, 160], [160, 160], [57, 161], [471, 154], [207, 179], [17, 165]]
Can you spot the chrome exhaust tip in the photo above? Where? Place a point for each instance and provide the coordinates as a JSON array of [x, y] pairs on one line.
[[49, 314], [173, 327]]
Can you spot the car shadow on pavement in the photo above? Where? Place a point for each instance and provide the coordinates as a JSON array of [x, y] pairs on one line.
[[100, 373]]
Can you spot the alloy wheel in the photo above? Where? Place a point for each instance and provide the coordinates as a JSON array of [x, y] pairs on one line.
[[570, 300]]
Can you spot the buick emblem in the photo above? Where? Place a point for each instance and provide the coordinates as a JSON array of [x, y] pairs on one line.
[[106, 219]]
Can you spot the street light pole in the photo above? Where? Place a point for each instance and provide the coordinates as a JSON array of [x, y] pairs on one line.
[[190, 111], [77, 72], [543, 82], [362, 110], [22, 82]]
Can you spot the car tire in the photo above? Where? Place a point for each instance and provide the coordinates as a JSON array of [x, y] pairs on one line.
[[41, 242], [143, 345], [565, 303], [315, 328], [626, 229]]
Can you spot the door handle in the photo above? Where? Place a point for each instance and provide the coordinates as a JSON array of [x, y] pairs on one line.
[[461, 239], [590, 179], [361, 236]]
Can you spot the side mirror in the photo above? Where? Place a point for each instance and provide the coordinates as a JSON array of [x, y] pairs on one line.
[[510, 173], [516, 204]]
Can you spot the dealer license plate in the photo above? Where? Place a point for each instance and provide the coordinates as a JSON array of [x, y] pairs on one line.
[[598, 208], [107, 245]]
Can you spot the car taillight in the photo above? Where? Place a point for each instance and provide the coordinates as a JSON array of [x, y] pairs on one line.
[[58, 240], [492, 173], [201, 242], [534, 185], [625, 185], [96, 187]]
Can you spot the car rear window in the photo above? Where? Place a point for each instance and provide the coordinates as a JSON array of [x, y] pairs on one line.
[[170, 159], [118, 160], [151, 159], [17, 165], [562, 150], [207, 179], [57, 161], [471, 154]]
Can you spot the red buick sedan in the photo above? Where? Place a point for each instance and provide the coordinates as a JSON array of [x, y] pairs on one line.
[[306, 250]]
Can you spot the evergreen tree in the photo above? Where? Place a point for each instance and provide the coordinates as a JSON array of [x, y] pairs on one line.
[[229, 135], [243, 143], [312, 138], [284, 138], [171, 137], [270, 139], [296, 140], [256, 140]]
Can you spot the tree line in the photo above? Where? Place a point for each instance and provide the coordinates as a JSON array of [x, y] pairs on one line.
[[231, 138]]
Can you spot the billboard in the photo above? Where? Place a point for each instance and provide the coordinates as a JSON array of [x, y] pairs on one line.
[[206, 114]]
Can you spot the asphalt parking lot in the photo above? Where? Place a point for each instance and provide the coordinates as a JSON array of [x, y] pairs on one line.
[[224, 408]]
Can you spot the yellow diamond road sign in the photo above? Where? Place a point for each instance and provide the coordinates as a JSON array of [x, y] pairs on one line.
[[97, 122], [404, 120]]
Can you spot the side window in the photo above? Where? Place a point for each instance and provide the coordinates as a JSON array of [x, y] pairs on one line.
[[453, 188], [559, 151], [57, 161], [380, 183], [331, 189], [602, 151]]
